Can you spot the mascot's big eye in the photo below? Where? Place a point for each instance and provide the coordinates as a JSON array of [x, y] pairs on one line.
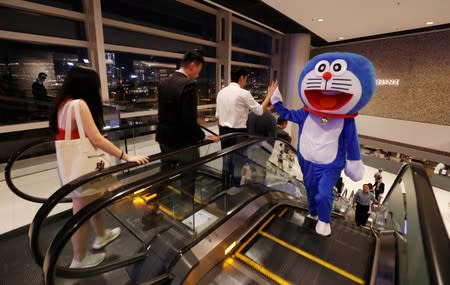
[[321, 67], [338, 67]]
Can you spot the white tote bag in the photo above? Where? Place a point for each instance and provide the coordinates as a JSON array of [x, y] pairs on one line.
[[77, 157]]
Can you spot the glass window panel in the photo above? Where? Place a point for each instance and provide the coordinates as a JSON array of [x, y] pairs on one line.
[[133, 39], [133, 80], [257, 81], [244, 37], [33, 23], [206, 115], [22, 101], [168, 15], [74, 5], [206, 85], [239, 56]]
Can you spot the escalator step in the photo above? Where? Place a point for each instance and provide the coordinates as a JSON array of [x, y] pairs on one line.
[[290, 266], [337, 249]]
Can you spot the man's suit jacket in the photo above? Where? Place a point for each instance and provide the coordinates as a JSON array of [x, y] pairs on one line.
[[177, 113], [379, 187]]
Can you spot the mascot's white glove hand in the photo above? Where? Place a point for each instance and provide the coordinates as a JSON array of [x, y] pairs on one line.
[[354, 169], [276, 97]]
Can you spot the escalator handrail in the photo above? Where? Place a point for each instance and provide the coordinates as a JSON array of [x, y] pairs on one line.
[[208, 130], [15, 155], [63, 236], [434, 233], [7, 172], [432, 227], [60, 194]]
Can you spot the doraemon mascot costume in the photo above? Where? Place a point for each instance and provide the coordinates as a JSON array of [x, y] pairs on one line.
[[333, 88]]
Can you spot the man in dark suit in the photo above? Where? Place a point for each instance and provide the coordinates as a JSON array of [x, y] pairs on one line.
[[177, 119]]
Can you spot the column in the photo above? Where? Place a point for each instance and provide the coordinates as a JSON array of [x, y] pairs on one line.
[[223, 52], [295, 56], [96, 51]]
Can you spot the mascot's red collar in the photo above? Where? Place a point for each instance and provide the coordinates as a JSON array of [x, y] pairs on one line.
[[329, 115]]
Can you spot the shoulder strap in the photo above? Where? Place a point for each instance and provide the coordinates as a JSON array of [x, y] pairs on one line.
[[78, 119], [68, 114]]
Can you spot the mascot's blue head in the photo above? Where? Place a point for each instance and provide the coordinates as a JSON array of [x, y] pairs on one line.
[[337, 83]]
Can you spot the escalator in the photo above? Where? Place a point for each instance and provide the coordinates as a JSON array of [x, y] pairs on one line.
[[256, 232], [285, 249], [152, 244], [407, 244]]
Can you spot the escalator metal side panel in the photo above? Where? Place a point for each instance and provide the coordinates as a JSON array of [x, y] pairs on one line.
[[385, 260], [211, 250]]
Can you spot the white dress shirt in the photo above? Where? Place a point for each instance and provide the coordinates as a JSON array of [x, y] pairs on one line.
[[233, 104]]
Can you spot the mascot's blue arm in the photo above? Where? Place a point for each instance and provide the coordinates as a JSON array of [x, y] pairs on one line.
[[351, 140], [296, 116]]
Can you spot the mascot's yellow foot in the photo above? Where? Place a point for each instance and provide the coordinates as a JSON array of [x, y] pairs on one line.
[[323, 229]]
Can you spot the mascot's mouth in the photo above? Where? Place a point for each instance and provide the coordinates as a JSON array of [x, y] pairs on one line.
[[327, 99]]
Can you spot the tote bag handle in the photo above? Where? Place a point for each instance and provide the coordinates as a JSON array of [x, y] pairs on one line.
[[75, 104]]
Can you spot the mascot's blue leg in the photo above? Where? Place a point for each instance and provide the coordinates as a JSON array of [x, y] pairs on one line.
[[311, 183], [324, 197]]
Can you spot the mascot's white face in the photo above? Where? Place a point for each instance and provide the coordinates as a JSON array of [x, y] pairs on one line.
[[331, 87]]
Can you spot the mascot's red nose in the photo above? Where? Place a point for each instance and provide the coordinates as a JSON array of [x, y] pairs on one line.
[[327, 75]]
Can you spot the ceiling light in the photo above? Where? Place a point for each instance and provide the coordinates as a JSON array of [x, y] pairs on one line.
[[429, 23], [340, 38], [320, 20]]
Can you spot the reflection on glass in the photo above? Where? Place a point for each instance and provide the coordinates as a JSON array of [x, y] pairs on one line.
[[24, 92], [133, 80]]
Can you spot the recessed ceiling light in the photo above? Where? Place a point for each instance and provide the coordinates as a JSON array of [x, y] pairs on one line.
[[340, 38], [320, 20], [429, 23]]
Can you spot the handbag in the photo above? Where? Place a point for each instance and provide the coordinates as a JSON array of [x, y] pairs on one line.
[[77, 157]]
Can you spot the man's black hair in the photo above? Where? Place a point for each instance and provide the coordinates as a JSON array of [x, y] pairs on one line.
[[281, 121], [236, 74], [42, 75], [192, 56]]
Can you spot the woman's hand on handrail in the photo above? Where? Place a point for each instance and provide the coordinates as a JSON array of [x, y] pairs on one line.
[[212, 138], [138, 158]]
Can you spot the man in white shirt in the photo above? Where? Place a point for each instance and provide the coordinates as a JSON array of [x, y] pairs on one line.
[[232, 108], [234, 103]]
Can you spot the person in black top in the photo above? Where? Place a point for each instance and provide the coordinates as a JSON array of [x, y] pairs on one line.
[[339, 185], [379, 187], [281, 133], [38, 89], [177, 121], [264, 125], [177, 106]]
